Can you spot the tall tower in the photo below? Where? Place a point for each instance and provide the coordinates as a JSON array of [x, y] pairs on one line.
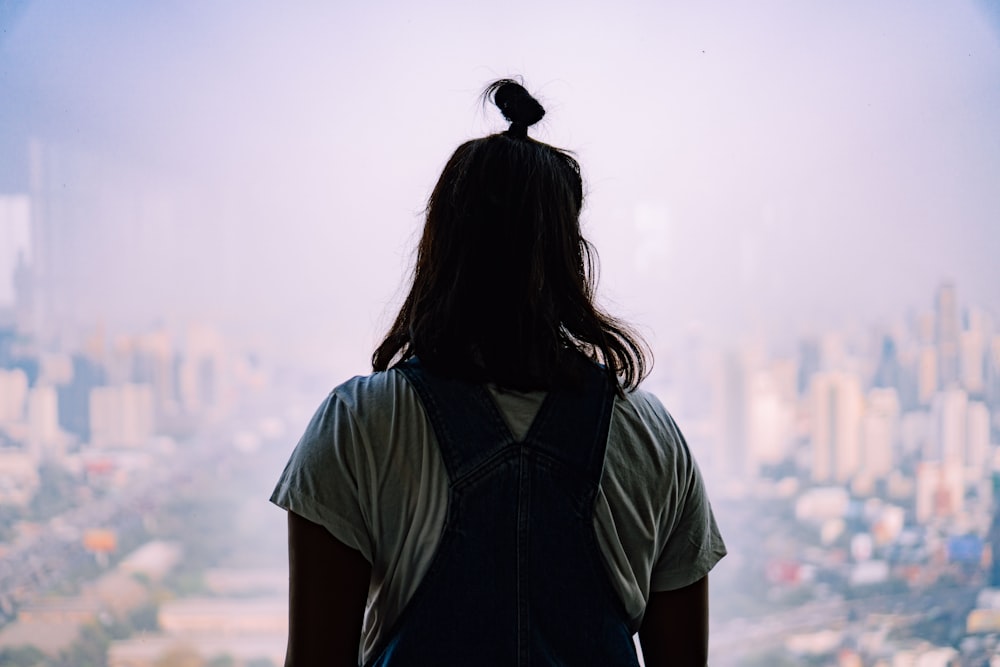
[[946, 334], [977, 446], [888, 372], [24, 296], [880, 431], [837, 408], [15, 248], [733, 456], [808, 363], [38, 279], [949, 415], [927, 374], [994, 537], [972, 345]]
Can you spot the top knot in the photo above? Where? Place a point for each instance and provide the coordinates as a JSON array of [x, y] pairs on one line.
[[516, 104]]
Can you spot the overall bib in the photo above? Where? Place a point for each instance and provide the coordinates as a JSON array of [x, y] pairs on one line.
[[517, 578]]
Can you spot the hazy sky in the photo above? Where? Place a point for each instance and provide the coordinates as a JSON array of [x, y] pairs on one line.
[[774, 166]]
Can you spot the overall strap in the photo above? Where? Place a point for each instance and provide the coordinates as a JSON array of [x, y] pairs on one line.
[[581, 416], [469, 427], [471, 431]]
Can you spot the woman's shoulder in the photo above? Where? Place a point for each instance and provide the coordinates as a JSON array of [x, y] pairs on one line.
[[386, 413], [641, 410], [644, 436], [348, 413], [378, 391]]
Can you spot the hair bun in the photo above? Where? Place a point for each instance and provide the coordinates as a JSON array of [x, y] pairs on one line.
[[516, 104]]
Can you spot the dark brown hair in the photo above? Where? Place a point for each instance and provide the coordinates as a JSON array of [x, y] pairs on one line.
[[503, 288]]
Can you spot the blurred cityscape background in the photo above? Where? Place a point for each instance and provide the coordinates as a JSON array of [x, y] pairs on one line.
[[207, 213]]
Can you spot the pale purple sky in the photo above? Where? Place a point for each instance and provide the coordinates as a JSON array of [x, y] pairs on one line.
[[770, 166]]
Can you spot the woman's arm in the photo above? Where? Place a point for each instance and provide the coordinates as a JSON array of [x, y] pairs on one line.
[[328, 589], [675, 627]]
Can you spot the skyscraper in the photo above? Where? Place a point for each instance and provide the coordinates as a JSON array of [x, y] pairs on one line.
[[887, 374], [880, 431], [15, 261], [977, 448], [35, 273], [927, 374], [837, 407], [946, 332], [993, 372], [808, 362], [13, 395], [949, 415], [45, 438], [731, 457], [972, 357]]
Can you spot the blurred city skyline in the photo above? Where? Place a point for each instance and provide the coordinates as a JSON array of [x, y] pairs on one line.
[[207, 215], [764, 171]]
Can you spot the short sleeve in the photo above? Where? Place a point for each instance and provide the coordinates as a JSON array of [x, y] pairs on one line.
[[321, 481], [694, 544]]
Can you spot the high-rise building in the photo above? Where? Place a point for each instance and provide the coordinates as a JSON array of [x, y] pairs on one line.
[[121, 415], [45, 439], [923, 324], [36, 276], [880, 432], [74, 396], [972, 349], [915, 429], [13, 395], [994, 537], [837, 407], [927, 374], [946, 333], [15, 243], [25, 311], [203, 383], [771, 415], [977, 450], [154, 363], [808, 363], [731, 455], [993, 371], [888, 373], [109, 238], [68, 229], [949, 415]]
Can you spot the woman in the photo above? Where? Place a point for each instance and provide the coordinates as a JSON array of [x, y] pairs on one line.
[[499, 491]]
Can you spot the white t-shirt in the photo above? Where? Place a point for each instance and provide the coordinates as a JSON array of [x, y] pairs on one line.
[[368, 469]]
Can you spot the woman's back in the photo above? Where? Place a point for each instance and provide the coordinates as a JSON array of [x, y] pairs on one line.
[[368, 468]]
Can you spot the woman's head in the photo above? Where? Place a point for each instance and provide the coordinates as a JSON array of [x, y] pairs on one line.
[[503, 285]]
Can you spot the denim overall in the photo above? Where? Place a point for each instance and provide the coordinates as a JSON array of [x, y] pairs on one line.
[[518, 578]]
